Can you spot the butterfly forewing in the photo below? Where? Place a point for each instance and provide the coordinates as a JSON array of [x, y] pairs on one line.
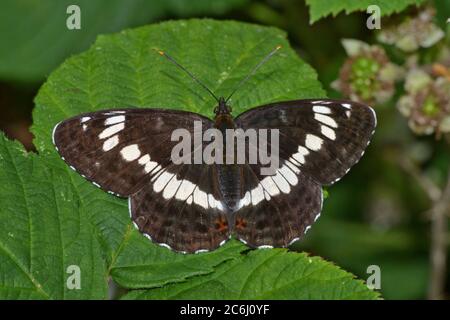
[[120, 150], [323, 137]]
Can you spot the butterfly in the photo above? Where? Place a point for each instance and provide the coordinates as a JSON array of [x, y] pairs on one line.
[[192, 208]]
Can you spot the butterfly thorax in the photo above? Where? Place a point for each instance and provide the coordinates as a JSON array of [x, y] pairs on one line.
[[223, 120], [223, 108]]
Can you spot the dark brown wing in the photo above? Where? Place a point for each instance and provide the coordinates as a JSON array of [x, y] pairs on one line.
[[319, 141], [325, 137], [120, 150], [128, 152], [182, 209], [275, 211]]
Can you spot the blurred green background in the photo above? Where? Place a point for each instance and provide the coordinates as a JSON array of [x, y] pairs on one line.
[[377, 215]]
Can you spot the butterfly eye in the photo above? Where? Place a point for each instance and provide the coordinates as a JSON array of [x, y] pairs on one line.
[[216, 110]]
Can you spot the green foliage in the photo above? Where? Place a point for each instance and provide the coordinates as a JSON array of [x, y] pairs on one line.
[[322, 8], [43, 229], [267, 274], [442, 13], [40, 39], [51, 218], [124, 70]]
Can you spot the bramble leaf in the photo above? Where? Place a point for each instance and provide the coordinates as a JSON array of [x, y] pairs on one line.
[[321, 8], [267, 274], [123, 70], [43, 231]]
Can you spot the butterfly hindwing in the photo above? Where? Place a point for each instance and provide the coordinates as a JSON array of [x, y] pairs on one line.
[[276, 210], [183, 209]]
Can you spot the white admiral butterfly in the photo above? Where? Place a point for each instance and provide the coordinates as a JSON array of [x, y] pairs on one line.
[[196, 208]]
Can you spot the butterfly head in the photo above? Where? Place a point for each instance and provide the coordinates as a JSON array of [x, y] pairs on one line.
[[223, 108]]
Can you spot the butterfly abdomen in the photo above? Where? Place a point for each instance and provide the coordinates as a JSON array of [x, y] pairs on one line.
[[229, 185], [228, 173]]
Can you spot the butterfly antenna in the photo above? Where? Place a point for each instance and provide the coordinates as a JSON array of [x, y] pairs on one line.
[[266, 58], [162, 53]]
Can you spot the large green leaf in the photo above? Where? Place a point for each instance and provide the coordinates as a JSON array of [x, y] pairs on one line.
[[51, 217], [123, 70], [267, 274], [322, 8], [34, 38], [43, 230]]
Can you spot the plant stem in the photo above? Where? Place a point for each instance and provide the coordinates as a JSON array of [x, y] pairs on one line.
[[428, 186], [440, 209], [438, 250]]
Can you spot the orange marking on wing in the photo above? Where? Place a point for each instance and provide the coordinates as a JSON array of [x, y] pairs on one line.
[[221, 225], [241, 223]]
